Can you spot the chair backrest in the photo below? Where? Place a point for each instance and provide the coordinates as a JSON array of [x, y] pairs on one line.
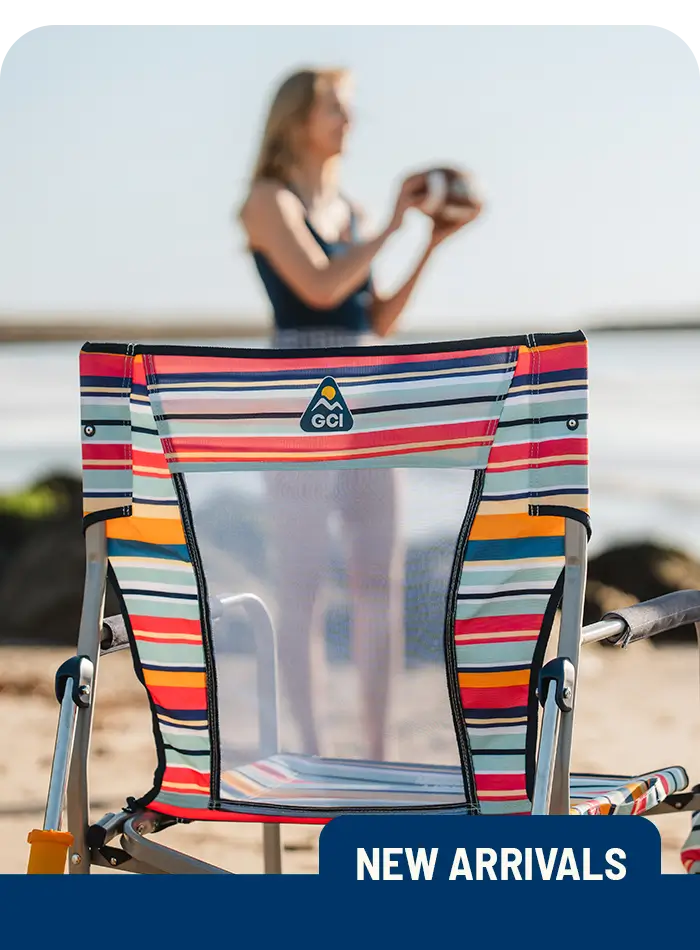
[[216, 471]]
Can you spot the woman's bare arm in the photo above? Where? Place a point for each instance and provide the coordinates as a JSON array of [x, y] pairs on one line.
[[274, 220], [385, 311]]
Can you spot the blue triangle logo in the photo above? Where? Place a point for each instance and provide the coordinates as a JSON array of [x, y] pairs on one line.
[[327, 412]]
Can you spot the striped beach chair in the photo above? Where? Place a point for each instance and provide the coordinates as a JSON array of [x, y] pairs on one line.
[[192, 455]]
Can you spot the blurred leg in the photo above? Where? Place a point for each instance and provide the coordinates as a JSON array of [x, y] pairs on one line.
[[299, 505], [369, 499]]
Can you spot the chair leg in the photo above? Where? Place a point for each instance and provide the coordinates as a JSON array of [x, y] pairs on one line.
[[272, 848], [49, 845], [556, 695], [78, 795], [569, 647]]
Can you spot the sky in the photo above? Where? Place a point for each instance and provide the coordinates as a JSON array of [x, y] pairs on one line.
[[124, 149]]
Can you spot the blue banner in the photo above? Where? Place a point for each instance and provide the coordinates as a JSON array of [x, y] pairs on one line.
[[385, 882], [440, 851]]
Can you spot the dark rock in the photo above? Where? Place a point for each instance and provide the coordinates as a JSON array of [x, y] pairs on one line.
[[42, 568], [631, 573]]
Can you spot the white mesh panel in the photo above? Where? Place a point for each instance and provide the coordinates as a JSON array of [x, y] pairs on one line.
[[353, 569]]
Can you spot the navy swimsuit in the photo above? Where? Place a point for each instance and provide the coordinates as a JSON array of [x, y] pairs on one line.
[[349, 319]]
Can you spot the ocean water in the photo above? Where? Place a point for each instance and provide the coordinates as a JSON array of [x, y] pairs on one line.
[[644, 430]]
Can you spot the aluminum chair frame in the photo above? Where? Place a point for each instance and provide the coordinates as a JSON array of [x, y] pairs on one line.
[[69, 785]]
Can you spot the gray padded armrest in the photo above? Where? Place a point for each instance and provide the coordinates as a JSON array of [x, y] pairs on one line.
[[114, 636], [657, 615]]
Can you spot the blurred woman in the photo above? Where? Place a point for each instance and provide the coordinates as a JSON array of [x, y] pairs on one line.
[[314, 257]]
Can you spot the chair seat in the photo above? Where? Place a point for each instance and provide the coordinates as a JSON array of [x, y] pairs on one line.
[[624, 795], [314, 782]]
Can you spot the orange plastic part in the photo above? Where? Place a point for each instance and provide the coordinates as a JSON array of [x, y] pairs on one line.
[[47, 851]]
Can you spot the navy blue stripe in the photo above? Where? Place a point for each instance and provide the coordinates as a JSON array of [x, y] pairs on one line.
[[186, 752], [544, 493], [119, 547], [186, 715], [504, 549], [87, 421], [502, 594], [511, 423], [565, 375], [494, 669], [507, 712], [154, 501], [104, 382], [169, 595], [157, 667]]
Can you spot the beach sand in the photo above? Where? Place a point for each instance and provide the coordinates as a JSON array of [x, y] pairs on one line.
[[637, 710]]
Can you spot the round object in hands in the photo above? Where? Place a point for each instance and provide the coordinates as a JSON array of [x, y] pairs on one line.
[[450, 195]]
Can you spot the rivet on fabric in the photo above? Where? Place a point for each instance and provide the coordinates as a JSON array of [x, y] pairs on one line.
[[572, 424], [89, 431]]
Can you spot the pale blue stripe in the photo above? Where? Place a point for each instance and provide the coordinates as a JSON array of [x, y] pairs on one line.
[[515, 651], [166, 607]]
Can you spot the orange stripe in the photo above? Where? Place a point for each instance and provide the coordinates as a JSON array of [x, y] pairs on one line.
[[491, 527], [174, 679], [148, 530], [505, 678]]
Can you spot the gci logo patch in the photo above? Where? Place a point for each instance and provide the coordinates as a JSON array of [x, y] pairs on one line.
[[327, 411]]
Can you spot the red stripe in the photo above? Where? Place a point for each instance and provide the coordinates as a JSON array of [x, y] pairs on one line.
[[556, 359], [165, 625], [378, 453], [152, 460], [501, 783], [104, 364], [494, 697], [185, 776], [498, 624], [481, 429], [106, 450], [176, 697], [566, 356], [507, 453]]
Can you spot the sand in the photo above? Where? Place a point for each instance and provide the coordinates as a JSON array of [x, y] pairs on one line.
[[637, 710]]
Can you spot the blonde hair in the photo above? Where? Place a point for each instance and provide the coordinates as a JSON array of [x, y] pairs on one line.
[[289, 110]]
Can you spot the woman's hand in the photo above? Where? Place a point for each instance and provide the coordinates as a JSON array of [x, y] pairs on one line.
[[411, 194], [443, 228]]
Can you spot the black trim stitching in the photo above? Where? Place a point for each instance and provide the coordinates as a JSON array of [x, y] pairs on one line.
[[533, 706], [146, 799], [207, 640], [106, 514], [573, 336], [263, 809], [562, 511], [461, 731]]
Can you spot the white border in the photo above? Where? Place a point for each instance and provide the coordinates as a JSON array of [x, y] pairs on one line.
[[681, 17]]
